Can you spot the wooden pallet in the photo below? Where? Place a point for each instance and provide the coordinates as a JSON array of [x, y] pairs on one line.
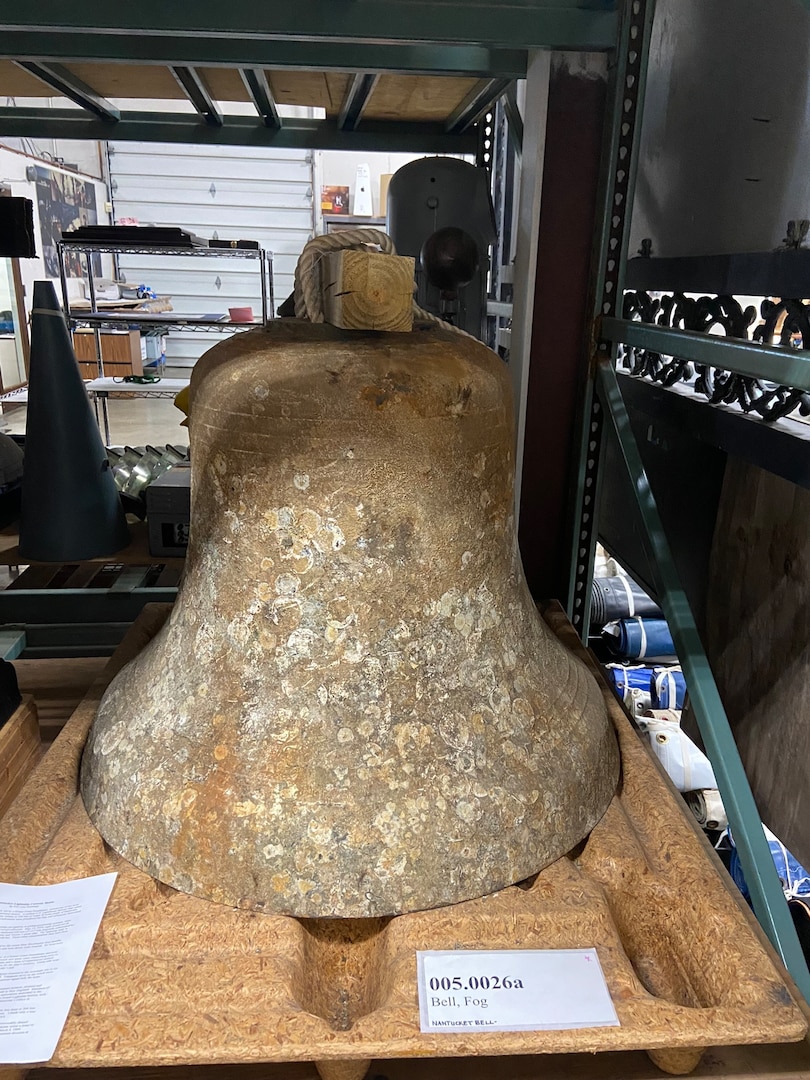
[[57, 686], [20, 750], [176, 981]]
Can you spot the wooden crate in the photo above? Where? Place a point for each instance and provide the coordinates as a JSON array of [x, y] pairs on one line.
[[174, 980], [20, 750]]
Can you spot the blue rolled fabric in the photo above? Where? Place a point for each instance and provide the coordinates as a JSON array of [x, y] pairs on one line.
[[667, 688], [635, 639], [632, 686], [623, 679], [795, 879]]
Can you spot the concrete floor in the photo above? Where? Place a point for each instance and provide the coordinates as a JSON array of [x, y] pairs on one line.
[[133, 422]]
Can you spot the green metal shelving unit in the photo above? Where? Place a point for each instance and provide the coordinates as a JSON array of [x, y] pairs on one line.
[[488, 41], [492, 42], [604, 412]]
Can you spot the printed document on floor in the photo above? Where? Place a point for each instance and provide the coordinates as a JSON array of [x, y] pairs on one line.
[[46, 934]]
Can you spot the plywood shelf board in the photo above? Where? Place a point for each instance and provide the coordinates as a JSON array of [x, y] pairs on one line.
[[395, 97]]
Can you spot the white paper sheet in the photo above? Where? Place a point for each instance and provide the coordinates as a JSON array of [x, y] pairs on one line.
[[46, 934], [512, 990]]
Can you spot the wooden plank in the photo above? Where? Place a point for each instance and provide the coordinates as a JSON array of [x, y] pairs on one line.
[[57, 686], [365, 290], [225, 84], [319, 89], [14, 775], [417, 97], [396, 97], [16, 82], [128, 80], [758, 640], [19, 751]]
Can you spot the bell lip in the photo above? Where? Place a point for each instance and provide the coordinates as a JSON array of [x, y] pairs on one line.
[[307, 913]]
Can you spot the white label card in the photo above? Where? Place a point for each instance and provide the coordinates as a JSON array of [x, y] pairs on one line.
[[46, 934], [512, 990]]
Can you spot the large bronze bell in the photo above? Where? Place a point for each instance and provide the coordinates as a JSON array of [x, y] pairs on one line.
[[354, 708]]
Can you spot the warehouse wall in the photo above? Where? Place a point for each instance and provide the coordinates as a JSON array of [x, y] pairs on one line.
[[724, 171], [13, 165], [246, 193], [339, 168], [85, 156]]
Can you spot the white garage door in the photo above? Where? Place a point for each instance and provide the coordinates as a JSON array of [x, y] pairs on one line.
[[234, 193]]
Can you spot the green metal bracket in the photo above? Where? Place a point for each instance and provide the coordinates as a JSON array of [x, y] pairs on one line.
[[760, 874], [620, 158], [526, 24], [295, 133], [514, 121], [474, 61], [773, 363]]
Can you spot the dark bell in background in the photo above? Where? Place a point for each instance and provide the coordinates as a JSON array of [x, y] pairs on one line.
[[449, 257], [432, 194], [70, 504]]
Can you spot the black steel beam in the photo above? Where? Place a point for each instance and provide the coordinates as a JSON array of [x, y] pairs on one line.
[[782, 448], [296, 133], [784, 273], [474, 61], [482, 97], [72, 639], [527, 24], [261, 95], [198, 94], [357, 96], [67, 84], [27, 606]]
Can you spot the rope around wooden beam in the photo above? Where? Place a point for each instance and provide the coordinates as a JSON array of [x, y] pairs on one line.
[[308, 292]]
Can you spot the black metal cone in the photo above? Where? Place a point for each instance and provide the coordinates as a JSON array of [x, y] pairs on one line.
[[70, 504]]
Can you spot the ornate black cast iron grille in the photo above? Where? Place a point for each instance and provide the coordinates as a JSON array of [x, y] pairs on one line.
[[785, 322]]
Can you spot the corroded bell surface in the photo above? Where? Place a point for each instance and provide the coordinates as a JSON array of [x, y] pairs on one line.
[[354, 708]]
